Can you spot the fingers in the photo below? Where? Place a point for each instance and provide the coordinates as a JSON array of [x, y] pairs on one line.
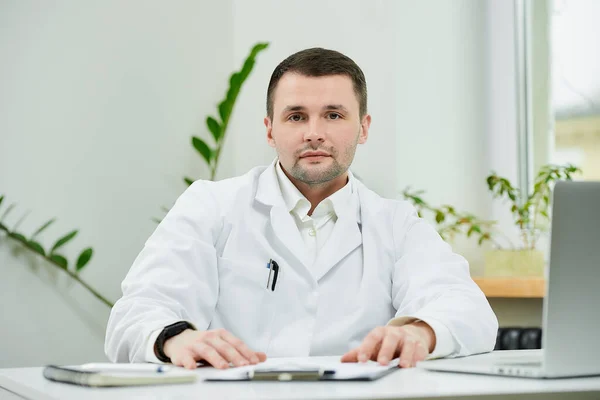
[[186, 361], [204, 351], [421, 353], [227, 351], [368, 349], [241, 348], [351, 356], [262, 357], [392, 341], [412, 351]]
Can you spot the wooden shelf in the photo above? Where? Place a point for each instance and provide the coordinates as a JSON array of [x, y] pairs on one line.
[[512, 287]]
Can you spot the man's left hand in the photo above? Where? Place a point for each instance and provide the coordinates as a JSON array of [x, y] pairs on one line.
[[411, 342]]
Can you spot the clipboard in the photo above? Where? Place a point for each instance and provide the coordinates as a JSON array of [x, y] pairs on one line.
[[303, 374]]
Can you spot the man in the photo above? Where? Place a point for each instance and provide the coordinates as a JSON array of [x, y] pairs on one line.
[[299, 258]]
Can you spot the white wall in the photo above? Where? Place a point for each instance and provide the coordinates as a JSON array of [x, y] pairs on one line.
[[441, 97], [98, 101]]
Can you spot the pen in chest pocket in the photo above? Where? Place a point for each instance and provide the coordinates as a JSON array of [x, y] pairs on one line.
[[273, 271]]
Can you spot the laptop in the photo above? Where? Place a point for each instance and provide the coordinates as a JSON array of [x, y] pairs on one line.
[[571, 321]]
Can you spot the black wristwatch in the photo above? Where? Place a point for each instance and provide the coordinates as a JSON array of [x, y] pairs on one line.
[[167, 333]]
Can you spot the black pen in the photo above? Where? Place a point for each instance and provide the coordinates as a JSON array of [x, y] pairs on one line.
[[270, 266], [276, 270]]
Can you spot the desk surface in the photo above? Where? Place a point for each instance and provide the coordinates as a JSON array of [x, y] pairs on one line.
[[403, 384]]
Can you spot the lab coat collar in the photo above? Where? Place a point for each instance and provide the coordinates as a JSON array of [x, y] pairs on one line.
[[269, 193], [296, 203]]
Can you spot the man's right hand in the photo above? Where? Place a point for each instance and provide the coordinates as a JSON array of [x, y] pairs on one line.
[[217, 347]]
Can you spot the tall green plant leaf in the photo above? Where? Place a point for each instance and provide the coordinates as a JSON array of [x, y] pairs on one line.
[[63, 240], [60, 260], [35, 246], [84, 258], [18, 236], [214, 127], [42, 228], [203, 149], [224, 111], [189, 181], [1, 199]]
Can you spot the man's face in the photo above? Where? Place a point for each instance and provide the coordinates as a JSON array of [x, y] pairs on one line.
[[316, 126]]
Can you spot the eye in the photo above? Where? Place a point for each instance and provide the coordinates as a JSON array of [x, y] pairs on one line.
[[334, 116], [295, 118]]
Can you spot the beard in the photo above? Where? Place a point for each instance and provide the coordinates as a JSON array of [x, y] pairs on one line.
[[319, 173]]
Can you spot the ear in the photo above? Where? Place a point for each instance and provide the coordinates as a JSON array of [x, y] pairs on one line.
[[269, 126], [365, 124]]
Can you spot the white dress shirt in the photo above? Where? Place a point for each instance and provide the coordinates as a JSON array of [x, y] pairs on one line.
[[316, 228]]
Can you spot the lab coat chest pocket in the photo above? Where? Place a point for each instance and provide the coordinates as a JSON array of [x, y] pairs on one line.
[[245, 304]]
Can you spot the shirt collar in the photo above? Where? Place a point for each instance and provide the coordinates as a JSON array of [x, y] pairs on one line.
[[296, 203]]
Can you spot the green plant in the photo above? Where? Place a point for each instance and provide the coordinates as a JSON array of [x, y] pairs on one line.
[[52, 255], [218, 128], [449, 221], [531, 211]]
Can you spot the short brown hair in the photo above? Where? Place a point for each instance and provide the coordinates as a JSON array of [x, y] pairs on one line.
[[317, 62]]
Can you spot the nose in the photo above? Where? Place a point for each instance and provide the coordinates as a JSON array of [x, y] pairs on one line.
[[315, 131]]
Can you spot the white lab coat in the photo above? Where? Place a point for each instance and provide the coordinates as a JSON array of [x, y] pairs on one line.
[[206, 264]]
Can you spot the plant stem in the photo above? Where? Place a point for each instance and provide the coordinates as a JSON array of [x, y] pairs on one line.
[[70, 273], [535, 217], [510, 243]]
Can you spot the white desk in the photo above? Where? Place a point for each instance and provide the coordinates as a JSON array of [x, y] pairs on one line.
[[402, 384]]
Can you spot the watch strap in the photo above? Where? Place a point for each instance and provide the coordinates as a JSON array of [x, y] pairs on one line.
[[168, 332]]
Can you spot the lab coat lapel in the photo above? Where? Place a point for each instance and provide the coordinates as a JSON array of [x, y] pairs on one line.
[[286, 232], [345, 237], [282, 229]]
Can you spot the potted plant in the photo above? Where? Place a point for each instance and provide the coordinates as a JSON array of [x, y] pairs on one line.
[[532, 218]]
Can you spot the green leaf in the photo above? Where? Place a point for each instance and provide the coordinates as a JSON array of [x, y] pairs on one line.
[[60, 260], [8, 210], [470, 231], [18, 236], [215, 128], [35, 246], [1, 198], [246, 69], [439, 217], [189, 181], [63, 240], [43, 227], [203, 149], [224, 110], [84, 258], [235, 82], [418, 200]]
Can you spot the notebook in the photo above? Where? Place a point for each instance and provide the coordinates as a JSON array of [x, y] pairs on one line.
[[287, 369], [117, 375]]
